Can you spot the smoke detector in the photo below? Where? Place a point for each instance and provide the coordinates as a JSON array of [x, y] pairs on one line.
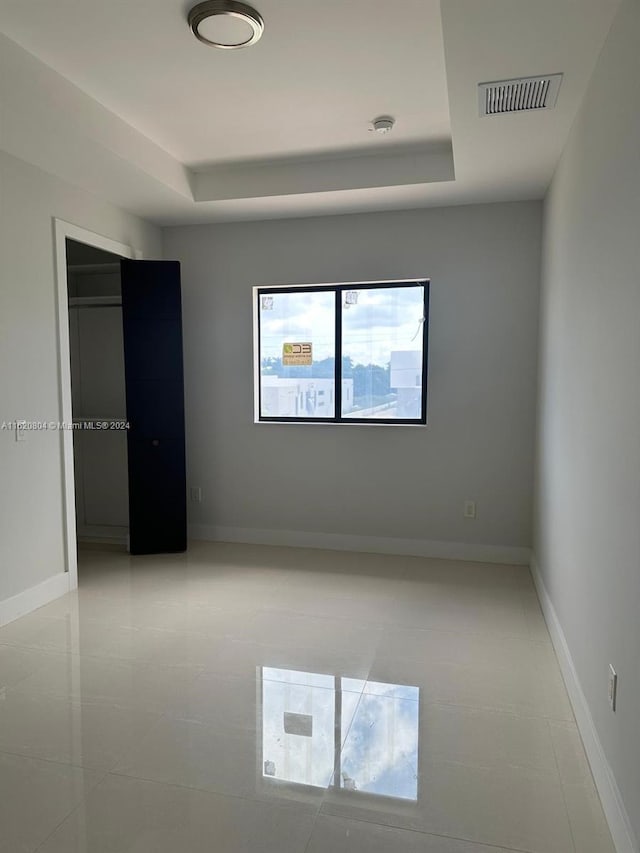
[[382, 124], [520, 95]]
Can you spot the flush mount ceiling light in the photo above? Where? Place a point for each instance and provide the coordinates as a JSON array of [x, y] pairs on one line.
[[226, 24]]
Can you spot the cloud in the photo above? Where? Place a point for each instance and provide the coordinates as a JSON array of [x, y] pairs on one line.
[[382, 320], [381, 751]]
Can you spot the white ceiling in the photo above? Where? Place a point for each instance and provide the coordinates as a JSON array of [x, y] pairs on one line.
[[121, 99]]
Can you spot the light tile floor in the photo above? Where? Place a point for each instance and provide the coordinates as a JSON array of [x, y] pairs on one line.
[[240, 699]]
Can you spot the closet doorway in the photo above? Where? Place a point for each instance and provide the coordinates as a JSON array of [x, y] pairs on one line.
[[91, 371], [98, 394], [122, 397]]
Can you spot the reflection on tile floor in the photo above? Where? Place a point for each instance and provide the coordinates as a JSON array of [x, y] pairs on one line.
[[243, 699]]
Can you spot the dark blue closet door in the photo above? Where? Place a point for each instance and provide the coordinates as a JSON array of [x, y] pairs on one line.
[[152, 323]]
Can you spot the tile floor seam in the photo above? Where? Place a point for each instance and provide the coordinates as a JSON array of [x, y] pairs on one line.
[[490, 845], [497, 635], [562, 788], [505, 712], [67, 816], [313, 824], [95, 768], [56, 828], [496, 710], [182, 787], [72, 810], [53, 761]]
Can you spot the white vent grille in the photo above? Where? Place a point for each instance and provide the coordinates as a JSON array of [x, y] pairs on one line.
[[519, 96]]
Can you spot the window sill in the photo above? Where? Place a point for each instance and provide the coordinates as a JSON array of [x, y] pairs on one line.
[[276, 422]]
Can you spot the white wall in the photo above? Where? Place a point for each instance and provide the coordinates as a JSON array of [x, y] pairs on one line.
[[31, 524], [370, 481], [587, 539]]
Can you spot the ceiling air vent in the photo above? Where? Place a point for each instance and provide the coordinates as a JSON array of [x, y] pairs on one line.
[[519, 96]]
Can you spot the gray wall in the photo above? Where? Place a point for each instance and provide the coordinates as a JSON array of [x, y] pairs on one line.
[[587, 538], [403, 482], [31, 522]]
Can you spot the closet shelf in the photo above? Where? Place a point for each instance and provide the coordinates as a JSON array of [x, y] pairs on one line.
[[119, 420], [94, 269], [94, 301]]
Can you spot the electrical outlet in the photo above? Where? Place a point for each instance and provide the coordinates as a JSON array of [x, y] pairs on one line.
[[195, 492], [613, 687], [469, 509]]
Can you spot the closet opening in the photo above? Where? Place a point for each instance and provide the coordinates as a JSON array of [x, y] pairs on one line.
[[121, 398], [98, 396]]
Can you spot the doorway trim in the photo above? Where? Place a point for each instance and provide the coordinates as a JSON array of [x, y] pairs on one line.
[[62, 231]]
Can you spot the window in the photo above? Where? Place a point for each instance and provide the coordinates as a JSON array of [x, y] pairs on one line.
[[342, 353]]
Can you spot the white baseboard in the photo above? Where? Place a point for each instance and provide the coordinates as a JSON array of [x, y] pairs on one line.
[[612, 804], [365, 544], [102, 533], [34, 597]]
